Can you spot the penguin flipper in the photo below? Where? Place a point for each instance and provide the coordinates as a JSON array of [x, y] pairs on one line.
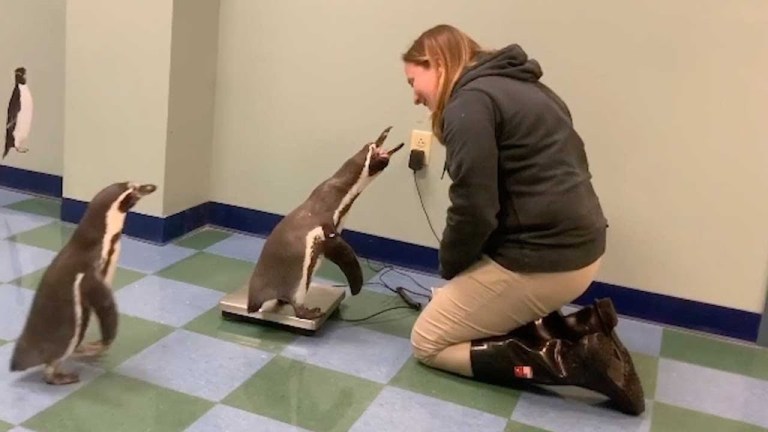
[[100, 298], [341, 253], [9, 143]]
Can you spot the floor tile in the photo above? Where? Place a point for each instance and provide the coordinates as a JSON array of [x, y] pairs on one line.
[[202, 239], [24, 394], [640, 337], [225, 418], [647, 368], [116, 403], [133, 336], [416, 377], [669, 418], [514, 426], [715, 353], [400, 410], [330, 271], [15, 303], [149, 258], [211, 271], [558, 414], [712, 391], [123, 277], [352, 350], [397, 322], [13, 222], [239, 246], [8, 196], [412, 280], [166, 301], [251, 335], [304, 395], [18, 260], [52, 236], [40, 206], [196, 364]]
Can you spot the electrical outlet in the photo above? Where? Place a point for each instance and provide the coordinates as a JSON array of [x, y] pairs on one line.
[[421, 140]]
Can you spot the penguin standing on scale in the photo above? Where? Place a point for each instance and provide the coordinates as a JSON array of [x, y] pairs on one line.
[[19, 118], [294, 249], [78, 281]]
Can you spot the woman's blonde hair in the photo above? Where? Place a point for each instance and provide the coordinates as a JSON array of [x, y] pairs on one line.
[[451, 51]]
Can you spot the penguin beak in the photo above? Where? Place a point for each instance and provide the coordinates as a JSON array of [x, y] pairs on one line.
[[382, 137], [394, 150], [380, 141], [145, 190]]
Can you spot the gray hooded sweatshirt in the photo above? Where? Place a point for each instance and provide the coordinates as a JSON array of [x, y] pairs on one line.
[[521, 189]]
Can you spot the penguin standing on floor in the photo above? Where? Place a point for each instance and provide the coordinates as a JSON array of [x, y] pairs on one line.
[[19, 118], [294, 249], [78, 281]]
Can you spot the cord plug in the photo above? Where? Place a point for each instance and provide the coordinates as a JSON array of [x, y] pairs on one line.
[[408, 299], [416, 160]]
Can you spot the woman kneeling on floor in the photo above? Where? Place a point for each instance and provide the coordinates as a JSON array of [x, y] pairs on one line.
[[525, 232]]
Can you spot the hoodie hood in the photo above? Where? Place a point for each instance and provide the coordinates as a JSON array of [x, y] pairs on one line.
[[511, 62]]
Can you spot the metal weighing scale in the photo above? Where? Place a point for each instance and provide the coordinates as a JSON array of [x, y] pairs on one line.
[[326, 297]]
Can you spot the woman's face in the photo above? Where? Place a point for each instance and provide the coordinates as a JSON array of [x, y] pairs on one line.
[[423, 80]]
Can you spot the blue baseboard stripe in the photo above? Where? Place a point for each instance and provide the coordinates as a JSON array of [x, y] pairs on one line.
[[630, 302], [664, 309], [150, 228], [31, 181]]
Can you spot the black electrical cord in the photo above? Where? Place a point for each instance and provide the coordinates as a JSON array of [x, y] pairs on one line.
[[374, 314], [426, 214], [410, 304]]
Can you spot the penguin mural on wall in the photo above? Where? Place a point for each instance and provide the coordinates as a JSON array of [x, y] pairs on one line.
[[19, 118], [294, 249], [78, 281]]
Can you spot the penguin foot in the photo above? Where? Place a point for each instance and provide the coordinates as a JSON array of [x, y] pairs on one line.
[[90, 349], [304, 312], [53, 376]]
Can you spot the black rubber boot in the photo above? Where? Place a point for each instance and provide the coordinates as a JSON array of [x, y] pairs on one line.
[[597, 317], [593, 361]]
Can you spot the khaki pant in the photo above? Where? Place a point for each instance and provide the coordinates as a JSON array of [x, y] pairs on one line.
[[488, 300]]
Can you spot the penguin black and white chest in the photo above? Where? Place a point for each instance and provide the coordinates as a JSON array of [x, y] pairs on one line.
[[19, 117], [294, 249], [77, 282]]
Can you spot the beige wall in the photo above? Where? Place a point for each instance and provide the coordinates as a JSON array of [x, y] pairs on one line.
[[140, 94], [116, 105], [671, 99], [190, 106], [32, 35]]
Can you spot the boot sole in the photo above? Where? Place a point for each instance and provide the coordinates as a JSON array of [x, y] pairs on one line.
[[628, 398], [609, 317]]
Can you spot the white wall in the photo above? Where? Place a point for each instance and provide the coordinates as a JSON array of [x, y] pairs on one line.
[[670, 98], [32, 35]]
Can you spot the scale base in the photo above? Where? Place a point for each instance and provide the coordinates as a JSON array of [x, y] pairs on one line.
[[328, 298]]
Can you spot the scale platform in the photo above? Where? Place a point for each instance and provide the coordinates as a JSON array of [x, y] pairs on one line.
[[326, 297]]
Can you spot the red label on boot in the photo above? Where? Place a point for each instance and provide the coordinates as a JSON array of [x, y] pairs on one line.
[[523, 372]]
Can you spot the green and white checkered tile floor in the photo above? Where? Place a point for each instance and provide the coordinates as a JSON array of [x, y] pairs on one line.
[[177, 366]]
